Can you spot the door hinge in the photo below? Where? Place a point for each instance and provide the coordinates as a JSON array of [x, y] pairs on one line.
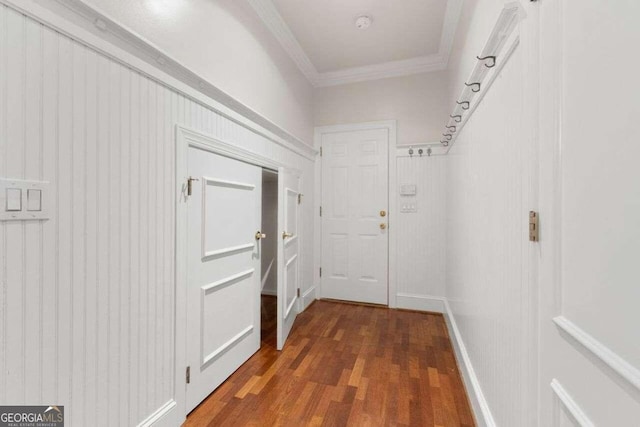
[[320, 210], [320, 271], [188, 374], [534, 228], [299, 198], [298, 292], [190, 185]]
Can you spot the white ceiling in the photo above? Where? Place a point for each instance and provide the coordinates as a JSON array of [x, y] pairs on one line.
[[407, 36]]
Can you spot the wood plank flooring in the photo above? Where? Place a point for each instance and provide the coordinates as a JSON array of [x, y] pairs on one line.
[[345, 365]]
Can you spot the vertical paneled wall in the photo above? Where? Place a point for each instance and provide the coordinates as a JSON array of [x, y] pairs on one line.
[[422, 234], [487, 244], [87, 297]]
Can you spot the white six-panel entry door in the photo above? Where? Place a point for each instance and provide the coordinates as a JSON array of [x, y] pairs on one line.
[[355, 216]]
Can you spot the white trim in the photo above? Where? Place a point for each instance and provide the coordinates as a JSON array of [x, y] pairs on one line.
[[570, 405], [391, 127], [420, 302], [162, 416], [207, 289], [226, 346], [614, 361], [404, 67], [124, 46], [421, 64], [219, 252], [223, 183], [479, 404]]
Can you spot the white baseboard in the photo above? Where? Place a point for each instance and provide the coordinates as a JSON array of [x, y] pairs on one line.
[[420, 302], [271, 292], [166, 415], [481, 410]]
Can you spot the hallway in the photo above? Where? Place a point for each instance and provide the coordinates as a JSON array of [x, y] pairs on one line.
[[345, 364]]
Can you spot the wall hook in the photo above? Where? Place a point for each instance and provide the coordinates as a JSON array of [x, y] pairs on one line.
[[471, 85], [451, 128], [420, 151], [445, 143], [448, 136], [410, 151], [491, 58], [464, 104], [457, 118], [429, 151]]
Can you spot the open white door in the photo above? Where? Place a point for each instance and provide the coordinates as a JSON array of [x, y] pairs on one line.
[[289, 199], [223, 269]]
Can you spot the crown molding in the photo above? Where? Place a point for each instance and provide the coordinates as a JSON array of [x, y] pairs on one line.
[[96, 30], [422, 64]]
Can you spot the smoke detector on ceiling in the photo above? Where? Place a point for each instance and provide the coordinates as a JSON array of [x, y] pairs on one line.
[[363, 22]]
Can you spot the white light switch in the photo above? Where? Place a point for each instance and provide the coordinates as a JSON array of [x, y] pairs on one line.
[[23, 200], [14, 200], [34, 200]]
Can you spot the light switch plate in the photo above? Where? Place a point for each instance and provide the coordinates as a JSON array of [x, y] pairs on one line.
[[32, 200]]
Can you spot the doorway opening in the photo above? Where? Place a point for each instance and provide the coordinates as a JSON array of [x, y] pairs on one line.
[[269, 260]]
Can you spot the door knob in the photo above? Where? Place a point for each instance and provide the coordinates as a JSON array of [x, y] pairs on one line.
[[260, 235], [383, 226], [383, 213], [286, 235]]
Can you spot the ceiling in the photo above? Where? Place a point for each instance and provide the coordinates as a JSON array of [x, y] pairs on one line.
[[405, 37]]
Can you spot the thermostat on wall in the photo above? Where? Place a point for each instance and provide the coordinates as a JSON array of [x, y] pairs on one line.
[[407, 189]]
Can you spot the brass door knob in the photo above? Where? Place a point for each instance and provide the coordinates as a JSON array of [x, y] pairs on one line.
[[383, 213], [286, 235], [260, 235], [383, 226]]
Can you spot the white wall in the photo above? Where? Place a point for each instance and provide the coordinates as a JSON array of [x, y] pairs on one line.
[[549, 327], [417, 102], [226, 43], [87, 297], [421, 241]]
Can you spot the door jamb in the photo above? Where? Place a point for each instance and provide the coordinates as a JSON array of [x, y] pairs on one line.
[[391, 126], [186, 137]]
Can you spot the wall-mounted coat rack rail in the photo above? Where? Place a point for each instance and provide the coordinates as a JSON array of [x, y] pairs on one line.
[[502, 42], [420, 150]]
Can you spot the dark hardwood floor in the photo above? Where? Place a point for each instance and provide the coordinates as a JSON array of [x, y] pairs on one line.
[[345, 365]]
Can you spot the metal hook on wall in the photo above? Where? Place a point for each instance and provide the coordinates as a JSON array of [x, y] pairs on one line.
[[457, 118], [410, 151], [448, 136], [490, 57], [445, 143], [420, 151], [471, 85], [464, 104], [451, 128], [429, 151]]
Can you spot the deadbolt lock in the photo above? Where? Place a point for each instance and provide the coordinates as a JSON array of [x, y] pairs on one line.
[[383, 213], [383, 226], [260, 235]]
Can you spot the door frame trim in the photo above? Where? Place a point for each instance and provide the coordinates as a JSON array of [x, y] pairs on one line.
[[185, 138], [391, 126]]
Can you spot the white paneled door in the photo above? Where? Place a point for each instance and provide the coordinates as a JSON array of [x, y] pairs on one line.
[[223, 295], [289, 226], [354, 215]]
